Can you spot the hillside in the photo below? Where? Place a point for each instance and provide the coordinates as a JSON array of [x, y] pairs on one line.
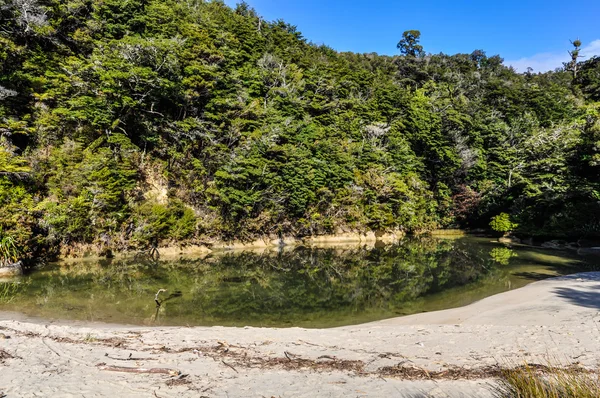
[[134, 123]]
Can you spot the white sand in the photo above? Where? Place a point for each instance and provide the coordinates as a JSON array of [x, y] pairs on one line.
[[555, 320]]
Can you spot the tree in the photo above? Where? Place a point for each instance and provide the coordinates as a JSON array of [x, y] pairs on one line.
[[409, 44], [588, 78], [572, 65], [167, 120]]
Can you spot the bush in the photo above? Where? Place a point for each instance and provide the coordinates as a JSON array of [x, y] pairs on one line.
[[502, 223], [157, 222]]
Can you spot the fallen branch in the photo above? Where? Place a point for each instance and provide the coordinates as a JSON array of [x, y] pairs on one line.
[[112, 368]]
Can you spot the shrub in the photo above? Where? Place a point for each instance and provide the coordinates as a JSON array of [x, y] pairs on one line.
[[157, 222], [502, 223]]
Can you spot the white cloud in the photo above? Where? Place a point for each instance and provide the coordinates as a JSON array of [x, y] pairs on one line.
[[544, 62]]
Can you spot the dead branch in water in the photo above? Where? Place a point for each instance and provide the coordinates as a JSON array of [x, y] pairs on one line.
[[156, 300]]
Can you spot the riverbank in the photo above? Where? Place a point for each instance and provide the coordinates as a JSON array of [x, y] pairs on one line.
[[341, 240], [272, 243], [452, 353]]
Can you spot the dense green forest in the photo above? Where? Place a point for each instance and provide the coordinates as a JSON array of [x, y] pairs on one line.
[[129, 123]]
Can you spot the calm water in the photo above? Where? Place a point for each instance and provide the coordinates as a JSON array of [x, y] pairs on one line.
[[299, 287]]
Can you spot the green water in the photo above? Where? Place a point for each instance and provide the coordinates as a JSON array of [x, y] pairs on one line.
[[298, 287]]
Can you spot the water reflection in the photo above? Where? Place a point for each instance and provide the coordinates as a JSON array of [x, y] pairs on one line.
[[299, 287]]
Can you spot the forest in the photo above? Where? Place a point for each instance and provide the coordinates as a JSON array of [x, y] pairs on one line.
[[138, 123]]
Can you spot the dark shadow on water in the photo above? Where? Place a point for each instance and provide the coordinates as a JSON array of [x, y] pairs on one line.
[[553, 271], [534, 276]]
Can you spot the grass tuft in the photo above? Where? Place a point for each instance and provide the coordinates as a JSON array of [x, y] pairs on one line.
[[535, 381]]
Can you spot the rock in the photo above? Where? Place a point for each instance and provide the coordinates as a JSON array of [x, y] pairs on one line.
[[14, 269], [509, 239], [554, 244]]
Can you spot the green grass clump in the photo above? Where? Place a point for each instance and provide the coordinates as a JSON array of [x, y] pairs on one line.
[[537, 381]]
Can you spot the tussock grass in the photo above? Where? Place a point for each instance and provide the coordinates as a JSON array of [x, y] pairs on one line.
[[536, 381]]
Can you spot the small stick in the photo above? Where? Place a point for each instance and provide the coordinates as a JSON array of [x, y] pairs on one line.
[[129, 358], [306, 342], [225, 363]]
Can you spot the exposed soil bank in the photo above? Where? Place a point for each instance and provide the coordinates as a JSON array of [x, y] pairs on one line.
[[370, 239], [555, 320]]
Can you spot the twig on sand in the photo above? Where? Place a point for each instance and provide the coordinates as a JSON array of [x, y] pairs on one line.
[[327, 357], [129, 358], [307, 343], [231, 366], [112, 368]]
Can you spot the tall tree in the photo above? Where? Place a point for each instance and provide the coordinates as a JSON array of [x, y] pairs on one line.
[[409, 44], [572, 65]]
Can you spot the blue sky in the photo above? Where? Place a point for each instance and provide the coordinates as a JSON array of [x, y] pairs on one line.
[[525, 33]]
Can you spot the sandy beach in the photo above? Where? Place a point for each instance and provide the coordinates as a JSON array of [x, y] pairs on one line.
[[451, 353]]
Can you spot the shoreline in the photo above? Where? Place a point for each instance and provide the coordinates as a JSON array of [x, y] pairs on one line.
[[341, 239], [554, 321]]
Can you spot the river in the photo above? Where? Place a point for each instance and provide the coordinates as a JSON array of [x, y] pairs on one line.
[[304, 287]]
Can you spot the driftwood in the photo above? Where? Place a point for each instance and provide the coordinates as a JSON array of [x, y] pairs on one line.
[[156, 300], [11, 269], [112, 368]]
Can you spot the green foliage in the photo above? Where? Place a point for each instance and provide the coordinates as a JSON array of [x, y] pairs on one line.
[[9, 252], [249, 130], [157, 222], [502, 223], [17, 219], [409, 44], [588, 78]]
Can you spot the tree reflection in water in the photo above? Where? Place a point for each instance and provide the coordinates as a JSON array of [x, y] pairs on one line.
[[294, 287]]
